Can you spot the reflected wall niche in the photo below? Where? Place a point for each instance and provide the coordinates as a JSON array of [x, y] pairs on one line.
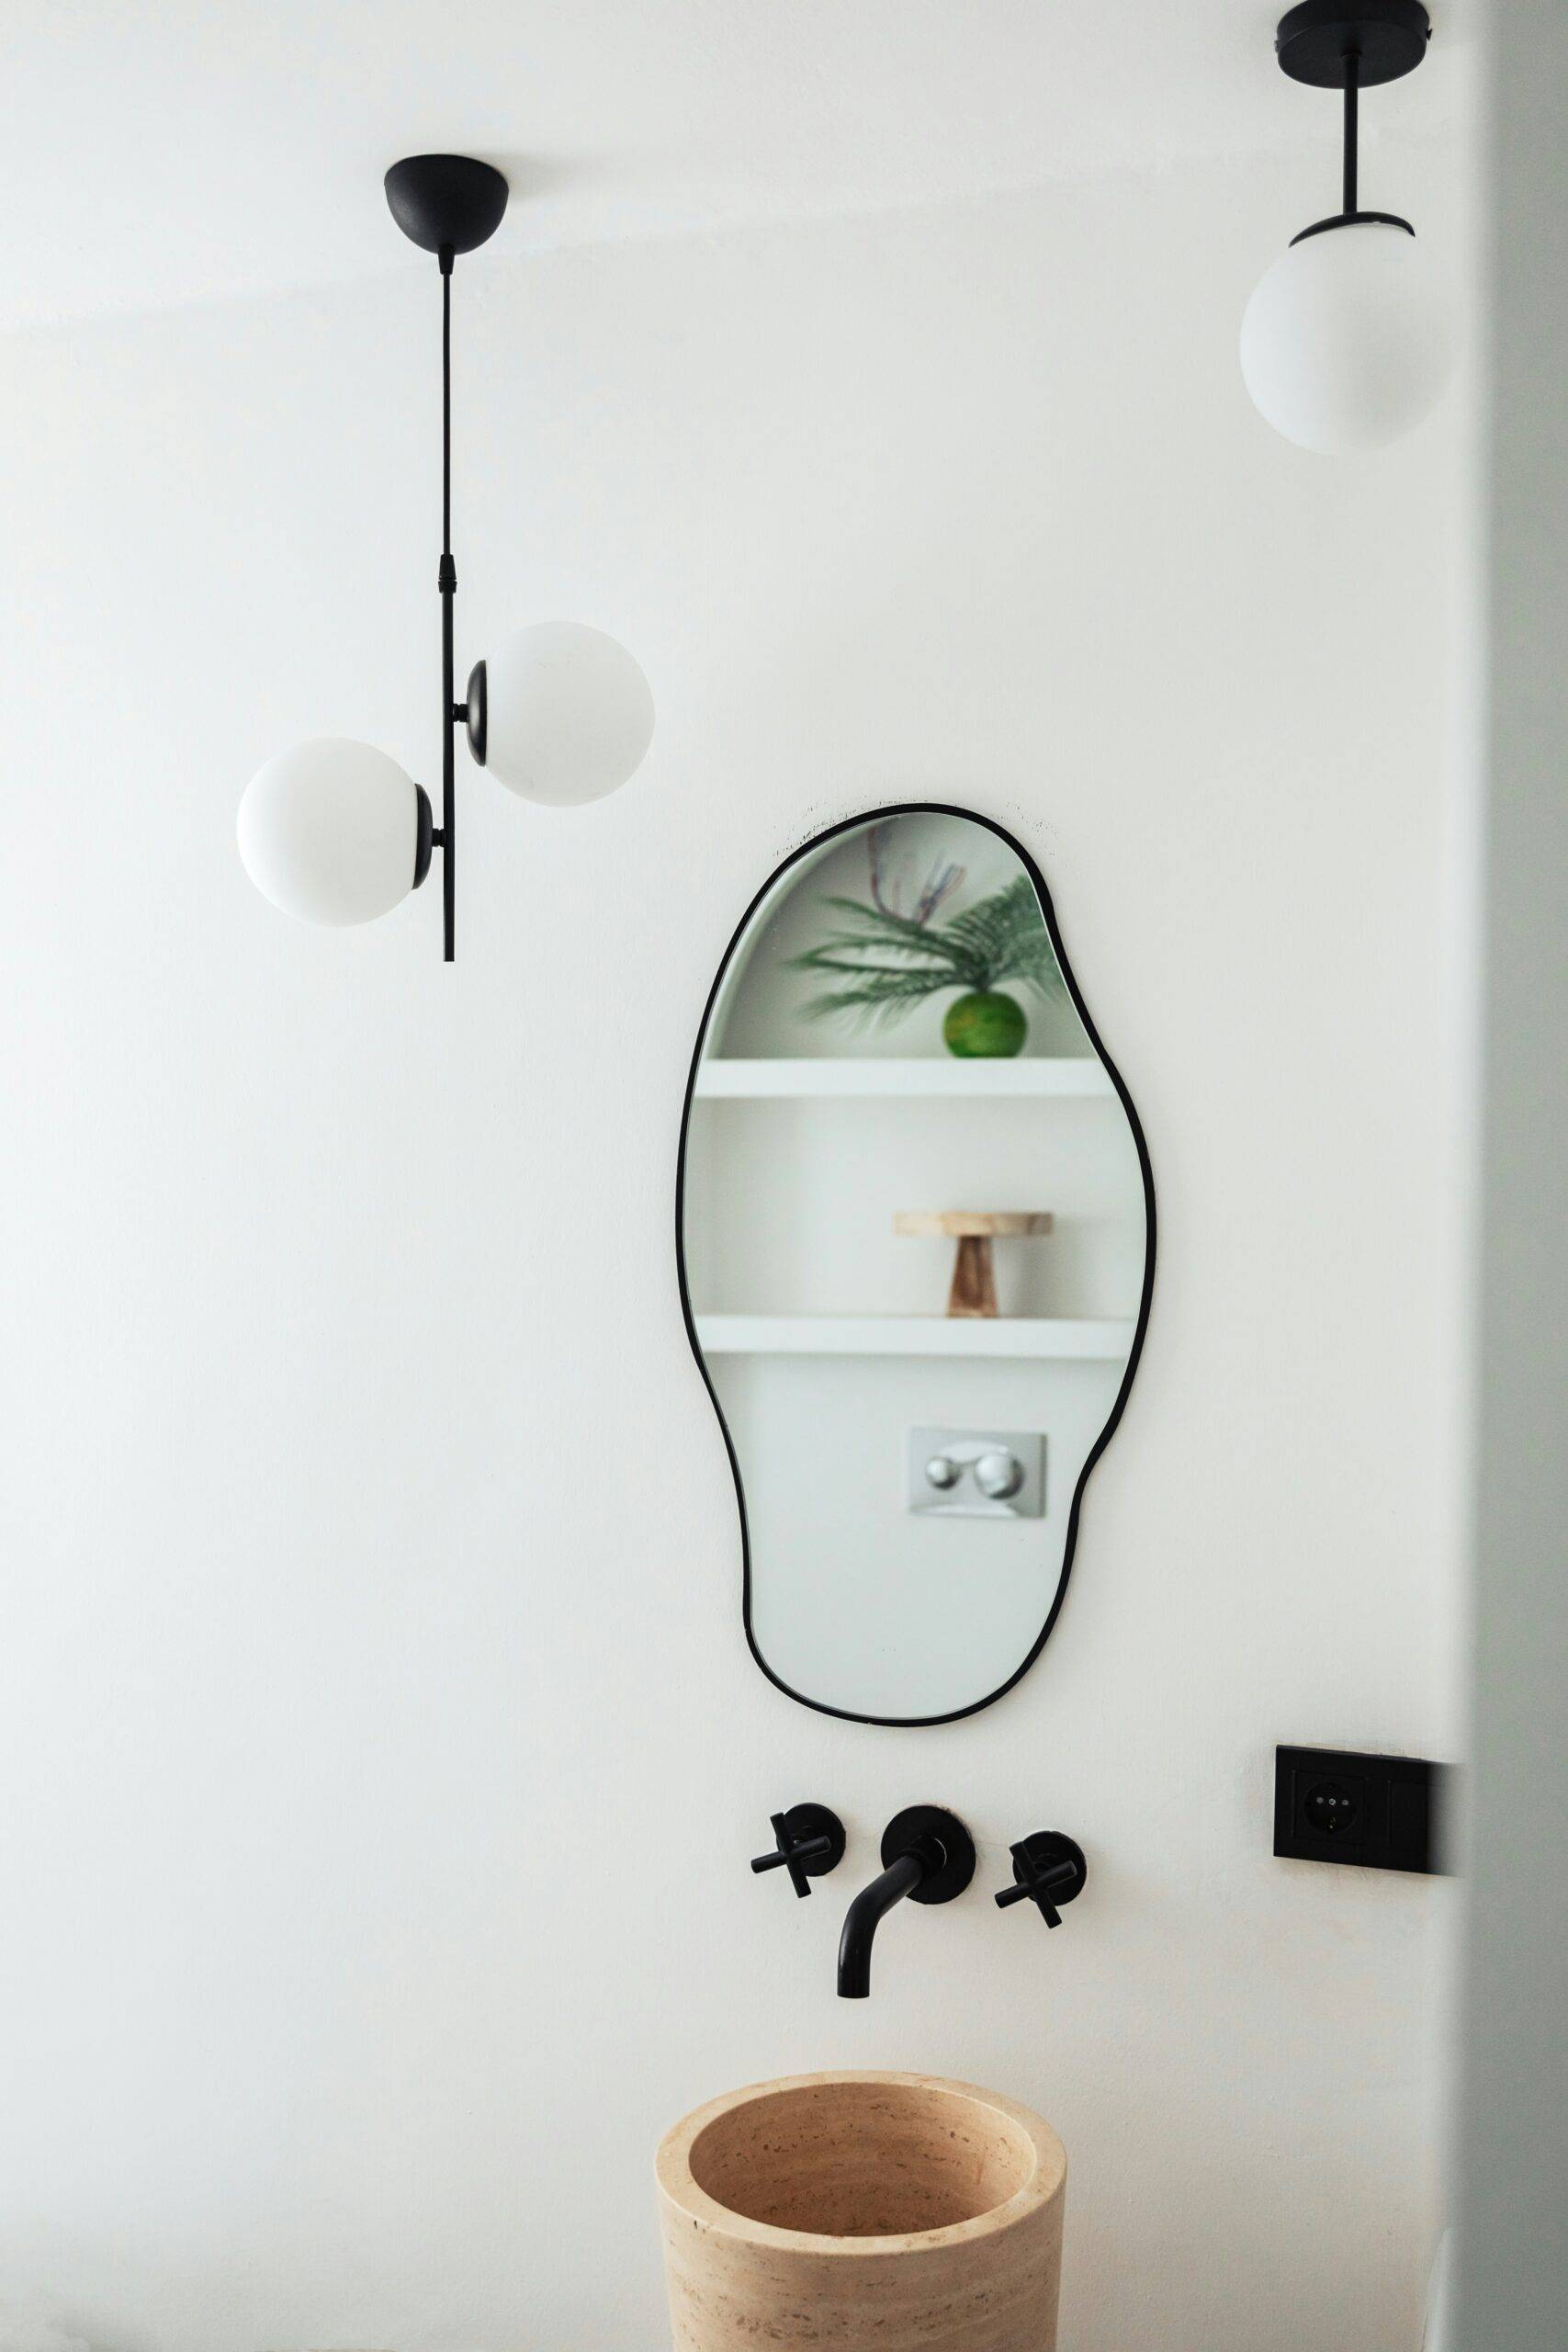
[[916, 1239]]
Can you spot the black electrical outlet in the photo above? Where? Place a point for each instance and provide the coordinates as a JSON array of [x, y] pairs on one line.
[[1379, 1812]]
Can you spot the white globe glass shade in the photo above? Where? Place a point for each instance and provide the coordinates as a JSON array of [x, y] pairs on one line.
[[569, 714], [1345, 343], [330, 831]]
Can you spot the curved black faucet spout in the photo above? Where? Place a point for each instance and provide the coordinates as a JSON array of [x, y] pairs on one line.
[[903, 1875], [927, 1853]]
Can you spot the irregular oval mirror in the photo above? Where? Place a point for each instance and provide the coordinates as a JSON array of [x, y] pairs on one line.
[[916, 1230]]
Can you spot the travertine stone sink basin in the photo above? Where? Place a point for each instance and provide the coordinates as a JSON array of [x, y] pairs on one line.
[[851, 2210]]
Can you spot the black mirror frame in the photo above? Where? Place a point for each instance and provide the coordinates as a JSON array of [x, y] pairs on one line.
[[829, 833]]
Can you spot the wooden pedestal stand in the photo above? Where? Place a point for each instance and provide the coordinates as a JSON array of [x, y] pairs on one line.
[[974, 1288]]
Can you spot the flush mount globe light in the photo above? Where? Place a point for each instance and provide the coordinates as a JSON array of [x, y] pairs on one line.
[[1345, 343], [336, 831]]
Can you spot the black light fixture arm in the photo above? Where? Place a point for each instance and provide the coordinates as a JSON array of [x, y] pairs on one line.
[[1352, 46], [1349, 215]]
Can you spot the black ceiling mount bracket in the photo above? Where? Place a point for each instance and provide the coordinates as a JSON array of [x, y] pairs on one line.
[[1387, 38], [451, 201], [808, 1841]]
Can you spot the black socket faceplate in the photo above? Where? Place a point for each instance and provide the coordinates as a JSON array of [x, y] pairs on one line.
[[1336, 1805]]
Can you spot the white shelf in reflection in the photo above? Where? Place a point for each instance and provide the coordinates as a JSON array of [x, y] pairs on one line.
[[787, 1076], [913, 1335]]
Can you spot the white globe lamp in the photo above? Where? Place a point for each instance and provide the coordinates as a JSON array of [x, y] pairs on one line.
[[561, 712], [334, 831], [1345, 343]]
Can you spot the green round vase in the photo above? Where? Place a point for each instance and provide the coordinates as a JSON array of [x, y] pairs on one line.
[[985, 1026]]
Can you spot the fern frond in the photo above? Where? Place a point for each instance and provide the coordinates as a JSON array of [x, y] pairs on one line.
[[850, 942], [878, 998], [893, 960], [869, 930], [1005, 938]]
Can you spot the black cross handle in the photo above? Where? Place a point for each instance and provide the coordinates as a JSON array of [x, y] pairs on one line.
[[1049, 1869], [808, 1841]]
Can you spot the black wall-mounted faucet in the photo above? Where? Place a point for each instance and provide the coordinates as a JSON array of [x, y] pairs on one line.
[[928, 1855]]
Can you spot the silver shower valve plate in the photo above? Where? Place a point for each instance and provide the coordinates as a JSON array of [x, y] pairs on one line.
[[974, 1474]]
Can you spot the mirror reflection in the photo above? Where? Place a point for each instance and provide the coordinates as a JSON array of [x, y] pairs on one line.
[[916, 1232]]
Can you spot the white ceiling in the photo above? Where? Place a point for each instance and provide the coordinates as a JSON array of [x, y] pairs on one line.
[[205, 148]]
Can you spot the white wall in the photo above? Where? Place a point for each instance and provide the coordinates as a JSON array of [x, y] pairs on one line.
[[380, 1754]]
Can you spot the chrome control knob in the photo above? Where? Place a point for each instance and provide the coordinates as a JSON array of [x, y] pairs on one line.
[[942, 1472], [999, 1476]]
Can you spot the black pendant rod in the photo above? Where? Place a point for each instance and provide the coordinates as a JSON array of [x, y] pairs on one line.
[[447, 205], [1352, 107], [447, 580]]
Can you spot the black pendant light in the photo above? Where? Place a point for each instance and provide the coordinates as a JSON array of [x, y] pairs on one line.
[[336, 831], [1345, 343]]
